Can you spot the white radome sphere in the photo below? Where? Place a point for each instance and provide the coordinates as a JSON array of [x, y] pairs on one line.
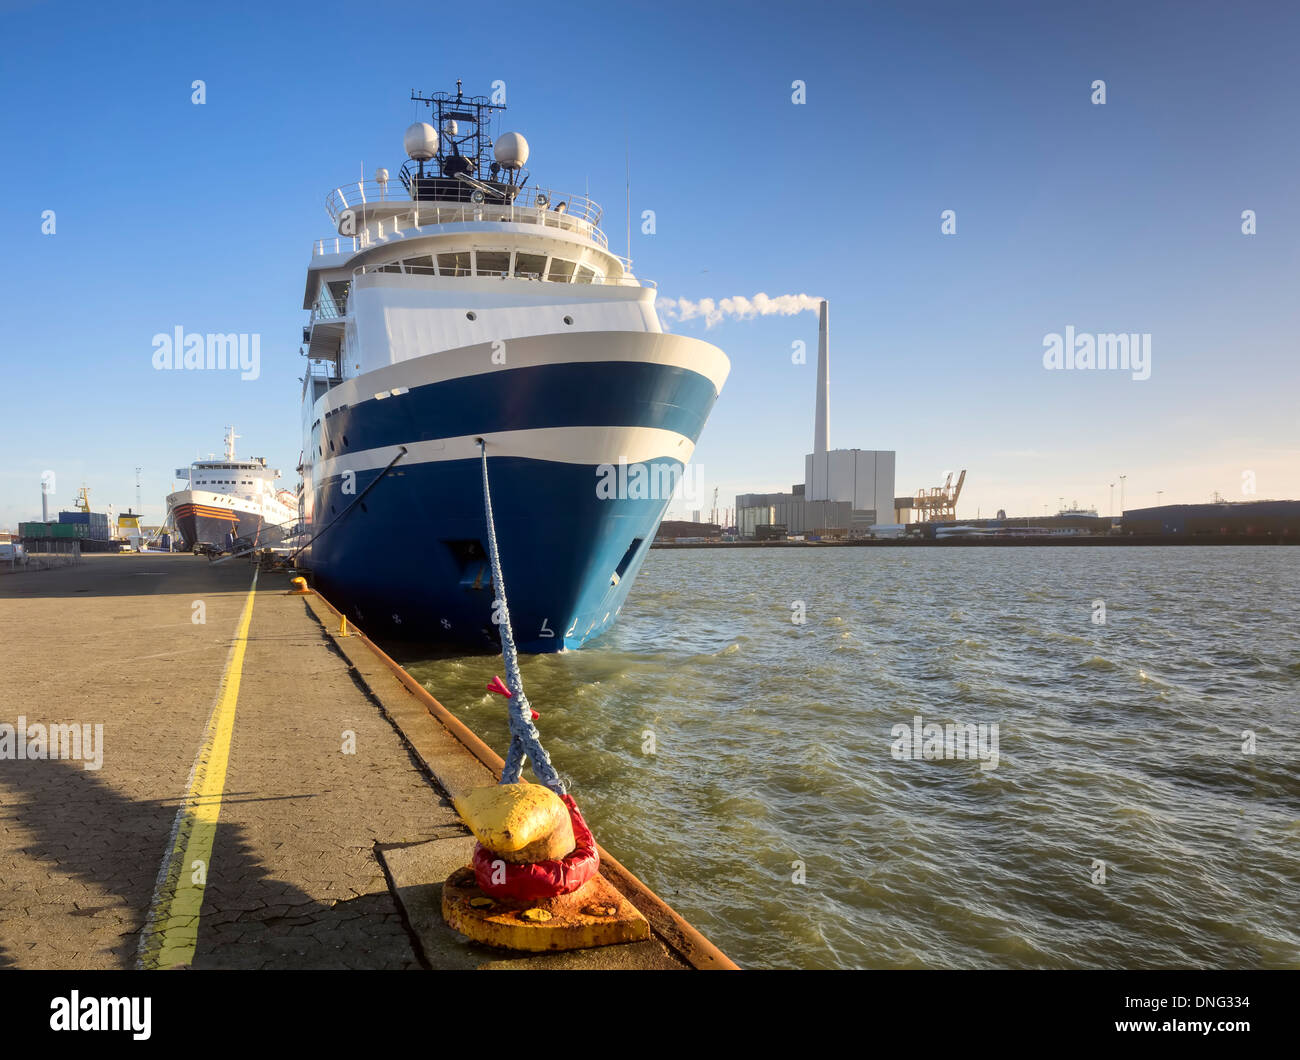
[[511, 150], [421, 141], [450, 128], [381, 176]]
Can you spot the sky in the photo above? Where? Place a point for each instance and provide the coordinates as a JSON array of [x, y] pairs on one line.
[[1115, 217]]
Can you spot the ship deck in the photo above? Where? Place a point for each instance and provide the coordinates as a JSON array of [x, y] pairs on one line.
[[300, 777]]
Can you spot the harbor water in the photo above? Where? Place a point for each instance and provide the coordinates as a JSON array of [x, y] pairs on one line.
[[1142, 809]]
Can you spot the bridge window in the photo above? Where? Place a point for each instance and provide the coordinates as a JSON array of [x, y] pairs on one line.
[[585, 275], [493, 263], [530, 266], [454, 264], [420, 266], [561, 271]]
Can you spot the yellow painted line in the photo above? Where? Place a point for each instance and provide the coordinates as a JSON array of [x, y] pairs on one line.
[[173, 929]]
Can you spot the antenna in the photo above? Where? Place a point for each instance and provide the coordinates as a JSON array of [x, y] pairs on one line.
[[138, 507], [464, 125], [628, 141]]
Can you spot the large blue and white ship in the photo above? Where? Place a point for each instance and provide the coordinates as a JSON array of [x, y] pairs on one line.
[[460, 303]]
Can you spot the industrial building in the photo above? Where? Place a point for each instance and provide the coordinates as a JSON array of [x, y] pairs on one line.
[[679, 530], [844, 491], [1256, 518], [791, 510]]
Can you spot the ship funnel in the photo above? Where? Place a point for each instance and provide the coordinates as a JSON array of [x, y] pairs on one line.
[[821, 428]]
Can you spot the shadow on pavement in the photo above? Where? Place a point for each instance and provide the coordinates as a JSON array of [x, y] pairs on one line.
[[77, 893]]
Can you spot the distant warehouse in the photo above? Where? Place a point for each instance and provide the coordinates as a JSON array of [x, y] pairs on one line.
[[796, 514], [1263, 518]]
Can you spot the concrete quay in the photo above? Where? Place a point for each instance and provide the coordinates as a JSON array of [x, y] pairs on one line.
[[197, 770]]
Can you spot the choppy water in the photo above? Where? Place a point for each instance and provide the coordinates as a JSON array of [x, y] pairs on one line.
[[1120, 743]]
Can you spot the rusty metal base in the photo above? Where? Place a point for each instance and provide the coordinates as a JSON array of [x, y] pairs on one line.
[[594, 915]]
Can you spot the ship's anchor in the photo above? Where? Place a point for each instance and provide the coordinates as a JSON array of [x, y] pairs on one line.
[[534, 882]]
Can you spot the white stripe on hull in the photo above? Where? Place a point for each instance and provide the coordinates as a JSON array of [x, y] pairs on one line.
[[565, 445], [583, 347]]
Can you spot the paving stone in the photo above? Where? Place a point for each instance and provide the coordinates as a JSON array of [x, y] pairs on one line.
[[80, 849]]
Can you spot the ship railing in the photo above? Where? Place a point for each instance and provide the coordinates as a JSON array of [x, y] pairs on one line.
[[322, 311], [395, 267], [362, 193], [335, 245], [365, 192], [570, 213], [327, 371], [421, 218]]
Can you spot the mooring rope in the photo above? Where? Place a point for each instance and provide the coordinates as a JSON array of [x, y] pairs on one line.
[[525, 742]]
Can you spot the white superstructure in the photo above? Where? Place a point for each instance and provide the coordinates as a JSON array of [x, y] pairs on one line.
[[231, 498]]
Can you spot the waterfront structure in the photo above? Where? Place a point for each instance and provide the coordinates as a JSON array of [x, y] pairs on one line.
[[843, 489], [1255, 518]]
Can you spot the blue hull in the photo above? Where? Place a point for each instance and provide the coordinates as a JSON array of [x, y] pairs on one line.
[[409, 562], [407, 558]]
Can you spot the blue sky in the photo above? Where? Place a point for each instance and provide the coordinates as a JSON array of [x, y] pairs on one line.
[[1124, 217]]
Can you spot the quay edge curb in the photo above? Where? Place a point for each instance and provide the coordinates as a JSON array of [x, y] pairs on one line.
[[676, 932]]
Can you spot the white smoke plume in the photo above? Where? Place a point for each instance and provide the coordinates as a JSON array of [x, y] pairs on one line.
[[737, 308]]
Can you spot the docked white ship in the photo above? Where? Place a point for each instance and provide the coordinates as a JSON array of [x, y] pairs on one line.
[[459, 306], [230, 502]]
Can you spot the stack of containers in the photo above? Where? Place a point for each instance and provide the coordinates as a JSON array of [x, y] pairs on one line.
[[84, 526], [90, 525]]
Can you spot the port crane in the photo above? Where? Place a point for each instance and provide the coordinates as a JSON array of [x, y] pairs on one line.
[[939, 504]]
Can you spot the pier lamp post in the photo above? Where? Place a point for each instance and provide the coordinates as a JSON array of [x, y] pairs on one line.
[[1121, 493], [1112, 500]]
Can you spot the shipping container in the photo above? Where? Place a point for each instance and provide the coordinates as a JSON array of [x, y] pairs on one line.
[[74, 517]]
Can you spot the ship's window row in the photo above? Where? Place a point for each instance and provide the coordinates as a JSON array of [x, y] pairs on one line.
[[489, 262]]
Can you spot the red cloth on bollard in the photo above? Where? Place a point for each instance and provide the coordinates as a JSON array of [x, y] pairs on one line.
[[540, 879]]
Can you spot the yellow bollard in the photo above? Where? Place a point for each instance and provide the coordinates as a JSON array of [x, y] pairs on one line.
[[301, 589], [343, 626]]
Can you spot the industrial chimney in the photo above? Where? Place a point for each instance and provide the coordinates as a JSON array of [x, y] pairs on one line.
[[821, 429]]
